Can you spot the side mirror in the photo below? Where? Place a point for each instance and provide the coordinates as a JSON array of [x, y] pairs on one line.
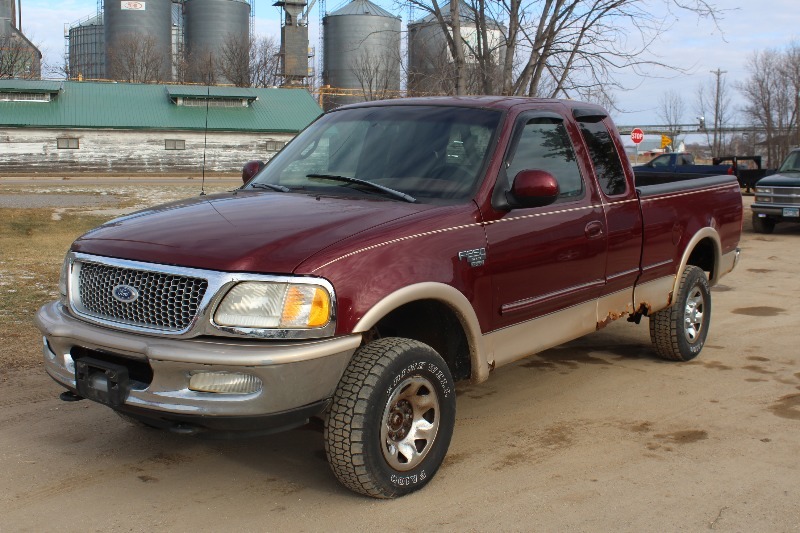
[[533, 188], [250, 169]]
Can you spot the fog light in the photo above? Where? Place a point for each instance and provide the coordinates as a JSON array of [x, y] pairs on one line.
[[224, 383]]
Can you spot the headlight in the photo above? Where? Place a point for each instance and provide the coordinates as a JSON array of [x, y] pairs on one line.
[[62, 280], [264, 305]]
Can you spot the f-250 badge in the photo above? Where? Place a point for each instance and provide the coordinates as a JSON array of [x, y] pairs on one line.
[[476, 257]]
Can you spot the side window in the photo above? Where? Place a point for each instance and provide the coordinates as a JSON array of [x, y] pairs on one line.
[[660, 161], [605, 158], [545, 145]]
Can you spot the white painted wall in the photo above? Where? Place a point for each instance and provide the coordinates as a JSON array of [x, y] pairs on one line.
[[29, 151]]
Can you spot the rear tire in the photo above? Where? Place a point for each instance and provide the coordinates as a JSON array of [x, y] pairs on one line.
[[679, 332], [763, 224], [391, 419]]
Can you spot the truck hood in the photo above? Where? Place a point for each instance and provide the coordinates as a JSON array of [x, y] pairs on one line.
[[790, 179], [263, 232]]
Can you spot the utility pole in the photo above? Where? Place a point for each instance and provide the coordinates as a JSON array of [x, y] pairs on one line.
[[717, 119]]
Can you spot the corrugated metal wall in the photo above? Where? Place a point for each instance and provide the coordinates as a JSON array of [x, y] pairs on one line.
[[87, 57]]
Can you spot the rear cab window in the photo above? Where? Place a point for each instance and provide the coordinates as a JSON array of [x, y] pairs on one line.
[[605, 158]]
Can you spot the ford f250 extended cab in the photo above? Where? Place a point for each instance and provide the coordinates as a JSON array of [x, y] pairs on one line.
[[667, 168], [778, 196], [390, 250]]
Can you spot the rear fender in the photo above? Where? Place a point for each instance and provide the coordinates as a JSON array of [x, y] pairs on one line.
[[704, 233]]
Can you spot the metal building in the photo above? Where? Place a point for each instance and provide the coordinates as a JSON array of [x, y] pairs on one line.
[[430, 65], [8, 11], [143, 25], [294, 42], [361, 53], [87, 56], [211, 25], [22, 59]]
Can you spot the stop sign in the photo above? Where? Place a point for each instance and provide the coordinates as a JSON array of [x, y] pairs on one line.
[[637, 135]]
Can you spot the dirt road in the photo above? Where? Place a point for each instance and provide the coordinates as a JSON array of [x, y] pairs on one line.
[[597, 435]]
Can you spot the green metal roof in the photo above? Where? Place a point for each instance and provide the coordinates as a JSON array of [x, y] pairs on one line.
[[150, 107], [30, 86], [202, 91]]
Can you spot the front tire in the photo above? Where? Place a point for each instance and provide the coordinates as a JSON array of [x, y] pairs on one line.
[[763, 224], [391, 418], [679, 332]]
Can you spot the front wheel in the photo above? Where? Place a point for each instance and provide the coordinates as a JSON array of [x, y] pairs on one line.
[[679, 332], [763, 224], [391, 418]]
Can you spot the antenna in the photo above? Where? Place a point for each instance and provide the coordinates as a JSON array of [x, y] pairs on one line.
[[205, 143]]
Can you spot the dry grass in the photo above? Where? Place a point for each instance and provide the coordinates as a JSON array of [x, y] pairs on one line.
[[33, 246]]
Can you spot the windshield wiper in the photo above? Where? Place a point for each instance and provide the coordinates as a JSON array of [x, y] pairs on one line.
[[271, 186], [348, 179]]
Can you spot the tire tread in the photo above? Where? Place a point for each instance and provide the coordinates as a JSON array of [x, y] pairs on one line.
[[344, 443]]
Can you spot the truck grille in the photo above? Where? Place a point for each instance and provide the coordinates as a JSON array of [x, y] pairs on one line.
[[786, 195], [160, 301]]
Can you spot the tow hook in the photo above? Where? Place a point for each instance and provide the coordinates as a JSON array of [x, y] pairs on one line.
[[69, 396]]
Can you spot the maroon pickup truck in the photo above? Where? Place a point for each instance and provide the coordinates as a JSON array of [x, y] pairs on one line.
[[390, 250]]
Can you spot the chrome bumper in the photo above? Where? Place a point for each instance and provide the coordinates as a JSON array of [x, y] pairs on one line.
[[294, 374]]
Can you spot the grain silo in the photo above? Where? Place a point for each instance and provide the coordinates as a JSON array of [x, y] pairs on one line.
[[138, 39], [361, 53], [7, 12], [87, 56], [430, 64], [213, 25]]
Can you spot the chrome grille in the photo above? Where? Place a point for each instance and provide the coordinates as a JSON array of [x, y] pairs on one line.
[[165, 301], [786, 195]]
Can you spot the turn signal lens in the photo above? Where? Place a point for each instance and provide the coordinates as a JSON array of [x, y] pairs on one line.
[[305, 306]]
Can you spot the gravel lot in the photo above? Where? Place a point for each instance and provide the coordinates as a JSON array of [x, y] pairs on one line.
[[596, 435]]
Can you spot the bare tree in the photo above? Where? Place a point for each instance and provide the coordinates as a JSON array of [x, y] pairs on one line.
[[265, 62], [671, 110], [136, 58], [772, 99], [554, 47], [376, 73], [19, 58], [203, 67], [235, 60]]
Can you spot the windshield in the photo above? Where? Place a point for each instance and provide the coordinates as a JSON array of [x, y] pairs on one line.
[[429, 153], [792, 163]]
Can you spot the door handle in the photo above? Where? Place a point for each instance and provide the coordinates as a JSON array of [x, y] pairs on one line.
[[594, 230]]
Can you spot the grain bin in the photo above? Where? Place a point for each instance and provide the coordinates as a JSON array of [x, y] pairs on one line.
[[361, 53], [145, 26], [211, 24], [87, 58]]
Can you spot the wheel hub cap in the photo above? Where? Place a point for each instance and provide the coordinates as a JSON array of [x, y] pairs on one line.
[[693, 315], [410, 423]]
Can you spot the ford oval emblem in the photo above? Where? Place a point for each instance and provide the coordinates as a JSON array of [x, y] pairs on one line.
[[125, 293]]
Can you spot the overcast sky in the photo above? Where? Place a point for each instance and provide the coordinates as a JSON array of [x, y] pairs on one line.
[[691, 43]]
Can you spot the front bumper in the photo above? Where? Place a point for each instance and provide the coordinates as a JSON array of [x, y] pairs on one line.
[[298, 377]]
